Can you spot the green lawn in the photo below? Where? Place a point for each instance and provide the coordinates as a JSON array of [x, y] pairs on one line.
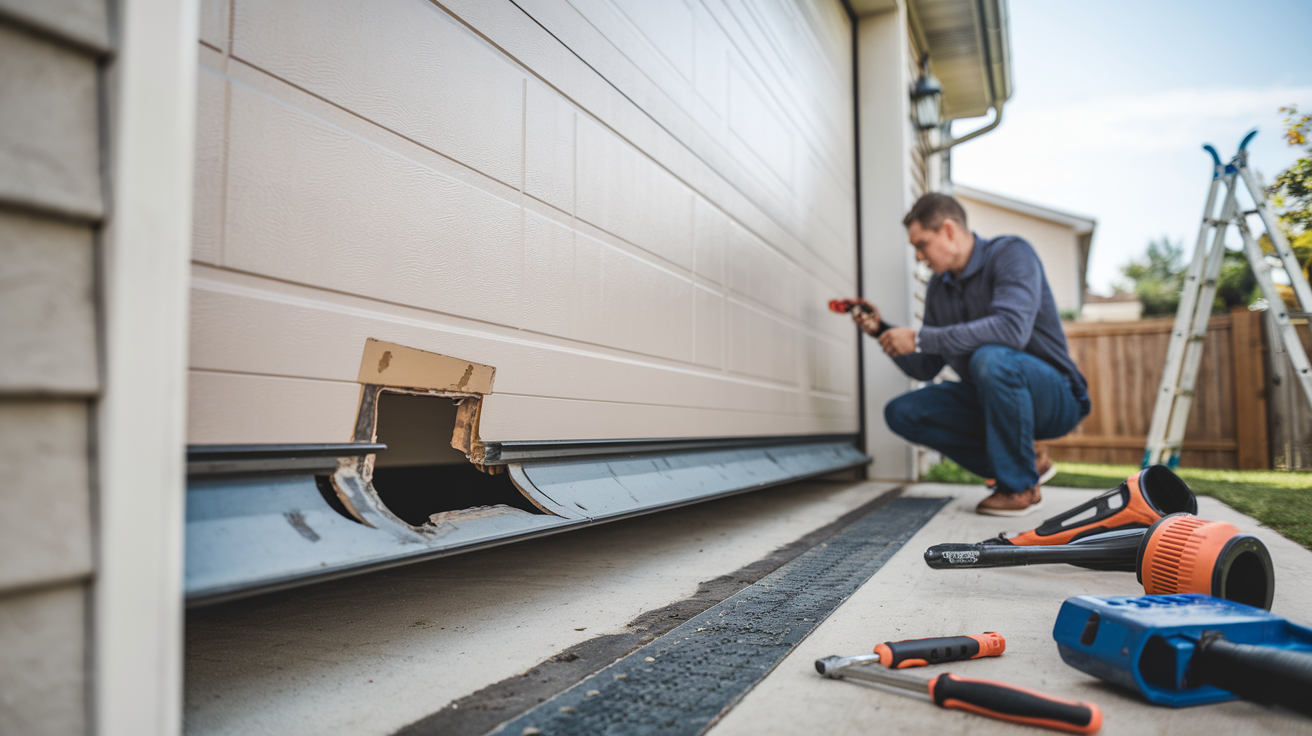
[[1280, 500]]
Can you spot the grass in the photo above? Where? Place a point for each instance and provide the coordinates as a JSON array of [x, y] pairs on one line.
[[1280, 500]]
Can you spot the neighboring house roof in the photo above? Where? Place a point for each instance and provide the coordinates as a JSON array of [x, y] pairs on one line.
[[1119, 296], [1082, 224]]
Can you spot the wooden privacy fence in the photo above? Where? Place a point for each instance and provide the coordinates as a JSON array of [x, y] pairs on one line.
[[1123, 362]]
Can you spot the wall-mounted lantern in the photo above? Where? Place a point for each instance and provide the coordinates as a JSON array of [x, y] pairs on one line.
[[926, 97]]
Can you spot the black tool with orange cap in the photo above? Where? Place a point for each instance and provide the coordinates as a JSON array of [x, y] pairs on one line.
[[1179, 553], [859, 306], [982, 697], [1138, 502]]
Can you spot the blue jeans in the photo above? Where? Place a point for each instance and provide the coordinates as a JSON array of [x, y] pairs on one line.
[[988, 426]]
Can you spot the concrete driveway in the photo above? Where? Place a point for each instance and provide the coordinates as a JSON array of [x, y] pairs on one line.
[[906, 599]]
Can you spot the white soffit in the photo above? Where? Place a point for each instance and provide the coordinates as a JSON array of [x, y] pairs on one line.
[[1081, 224], [964, 39]]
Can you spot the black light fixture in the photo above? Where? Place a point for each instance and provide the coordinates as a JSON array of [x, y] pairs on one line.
[[926, 97]]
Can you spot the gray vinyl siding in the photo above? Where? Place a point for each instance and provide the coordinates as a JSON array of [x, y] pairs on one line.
[[51, 206]]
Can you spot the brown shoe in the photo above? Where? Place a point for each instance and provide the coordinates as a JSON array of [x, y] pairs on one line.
[[1042, 464], [1021, 503]]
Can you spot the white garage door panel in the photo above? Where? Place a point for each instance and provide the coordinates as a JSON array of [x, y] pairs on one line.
[[757, 124], [832, 368], [207, 198], [310, 337], [549, 128], [760, 345], [790, 98], [376, 169], [308, 202], [382, 60], [537, 418], [622, 191], [229, 408], [759, 273]]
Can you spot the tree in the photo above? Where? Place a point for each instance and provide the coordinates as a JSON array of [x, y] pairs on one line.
[[1157, 277], [1236, 286], [1291, 194]]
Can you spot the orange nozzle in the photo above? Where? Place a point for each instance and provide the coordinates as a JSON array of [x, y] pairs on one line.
[[1138, 502], [1185, 554]]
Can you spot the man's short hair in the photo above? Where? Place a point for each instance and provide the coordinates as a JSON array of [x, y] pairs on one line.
[[932, 209]]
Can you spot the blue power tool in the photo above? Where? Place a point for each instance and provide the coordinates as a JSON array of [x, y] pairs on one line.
[[1180, 650]]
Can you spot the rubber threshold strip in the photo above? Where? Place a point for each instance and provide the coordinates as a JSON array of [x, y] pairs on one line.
[[684, 681]]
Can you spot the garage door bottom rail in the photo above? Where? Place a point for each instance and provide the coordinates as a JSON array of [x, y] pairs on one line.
[[266, 517]]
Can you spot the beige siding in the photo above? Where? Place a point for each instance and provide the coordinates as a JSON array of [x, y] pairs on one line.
[[49, 141], [45, 533], [74, 22], [50, 206], [1056, 244], [47, 306], [43, 683], [642, 244]]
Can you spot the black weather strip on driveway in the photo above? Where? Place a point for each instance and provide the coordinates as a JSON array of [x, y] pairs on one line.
[[684, 681]]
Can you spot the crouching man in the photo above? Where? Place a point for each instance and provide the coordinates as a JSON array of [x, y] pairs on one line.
[[989, 313]]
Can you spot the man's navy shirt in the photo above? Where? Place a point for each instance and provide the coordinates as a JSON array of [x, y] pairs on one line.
[[1002, 298]]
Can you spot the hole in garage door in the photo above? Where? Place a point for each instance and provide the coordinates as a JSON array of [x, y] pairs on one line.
[[420, 474]]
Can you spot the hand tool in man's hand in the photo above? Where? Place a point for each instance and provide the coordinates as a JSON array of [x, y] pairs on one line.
[[862, 311], [981, 697], [938, 649]]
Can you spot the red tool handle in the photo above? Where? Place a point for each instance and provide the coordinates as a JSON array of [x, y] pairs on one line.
[[921, 652], [1014, 704], [846, 305]]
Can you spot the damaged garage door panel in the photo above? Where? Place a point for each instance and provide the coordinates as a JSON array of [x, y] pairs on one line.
[[418, 482], [398, 366], [254, 532]]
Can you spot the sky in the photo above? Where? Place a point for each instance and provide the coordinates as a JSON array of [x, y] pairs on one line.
[[1113, 100]]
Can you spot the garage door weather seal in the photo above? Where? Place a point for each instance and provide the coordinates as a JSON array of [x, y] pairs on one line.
[[682, 683]]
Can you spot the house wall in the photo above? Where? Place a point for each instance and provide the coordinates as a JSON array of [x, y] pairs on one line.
[[95, 127], [635, 216], [892, 177], [1056, 244], [51, 210]]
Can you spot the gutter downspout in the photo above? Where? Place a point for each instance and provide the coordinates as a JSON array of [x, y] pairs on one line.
[[998, 100]]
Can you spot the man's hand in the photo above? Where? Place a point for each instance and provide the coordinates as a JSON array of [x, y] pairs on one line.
[[867, 321], [898, 341]]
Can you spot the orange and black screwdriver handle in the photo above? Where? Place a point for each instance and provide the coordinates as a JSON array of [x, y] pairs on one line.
[[1014, 704], [922, 652]]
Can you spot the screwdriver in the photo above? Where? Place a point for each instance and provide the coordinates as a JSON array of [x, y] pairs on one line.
[[934, 650], [981, 697]]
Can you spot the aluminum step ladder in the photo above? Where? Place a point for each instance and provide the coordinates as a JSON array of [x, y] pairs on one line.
[[1185, 352]]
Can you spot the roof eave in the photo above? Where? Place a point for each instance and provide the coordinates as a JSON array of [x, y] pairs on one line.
[[966, 40]]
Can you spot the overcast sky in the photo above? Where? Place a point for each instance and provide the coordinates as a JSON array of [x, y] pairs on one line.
[[1113, 100]]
